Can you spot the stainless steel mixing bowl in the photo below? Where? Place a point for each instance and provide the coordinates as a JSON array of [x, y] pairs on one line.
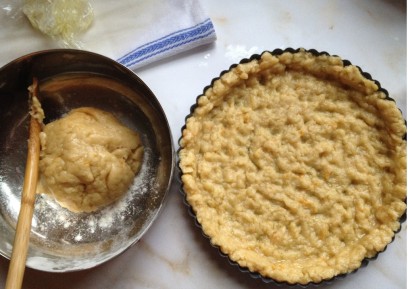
[[60, 240]]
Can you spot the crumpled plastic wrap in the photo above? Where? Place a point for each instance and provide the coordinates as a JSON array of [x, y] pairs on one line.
[[62, 20]]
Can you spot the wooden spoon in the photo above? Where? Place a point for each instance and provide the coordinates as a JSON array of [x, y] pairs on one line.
[[22, 236]]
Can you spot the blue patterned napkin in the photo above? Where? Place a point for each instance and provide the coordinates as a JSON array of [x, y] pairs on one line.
[[177, 26], [171, 44]]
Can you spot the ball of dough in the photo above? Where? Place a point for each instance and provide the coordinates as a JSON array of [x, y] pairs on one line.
[[88, 159]]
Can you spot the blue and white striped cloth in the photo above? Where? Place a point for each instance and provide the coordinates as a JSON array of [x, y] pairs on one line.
[[191, 28], [181, 40]]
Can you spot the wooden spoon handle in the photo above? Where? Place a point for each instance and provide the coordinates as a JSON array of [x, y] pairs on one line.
[[22, 236]]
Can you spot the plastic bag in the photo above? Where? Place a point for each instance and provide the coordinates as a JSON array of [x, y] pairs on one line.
[[11, 10], [63, 20]]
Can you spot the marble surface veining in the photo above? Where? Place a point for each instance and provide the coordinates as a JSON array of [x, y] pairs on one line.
[[173, 253]]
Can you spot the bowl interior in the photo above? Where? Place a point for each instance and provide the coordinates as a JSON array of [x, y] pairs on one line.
[[61, 240]]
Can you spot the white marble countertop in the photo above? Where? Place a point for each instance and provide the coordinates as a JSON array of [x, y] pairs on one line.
[[173, 253]]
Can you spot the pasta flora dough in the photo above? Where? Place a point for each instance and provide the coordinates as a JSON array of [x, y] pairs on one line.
[[295, 166], [88, 159]]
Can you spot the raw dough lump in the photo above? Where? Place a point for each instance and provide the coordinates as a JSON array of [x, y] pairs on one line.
[[88, 159]]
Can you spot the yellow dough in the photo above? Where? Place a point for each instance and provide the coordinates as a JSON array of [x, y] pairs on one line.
[[88, 159], [295, 166]]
